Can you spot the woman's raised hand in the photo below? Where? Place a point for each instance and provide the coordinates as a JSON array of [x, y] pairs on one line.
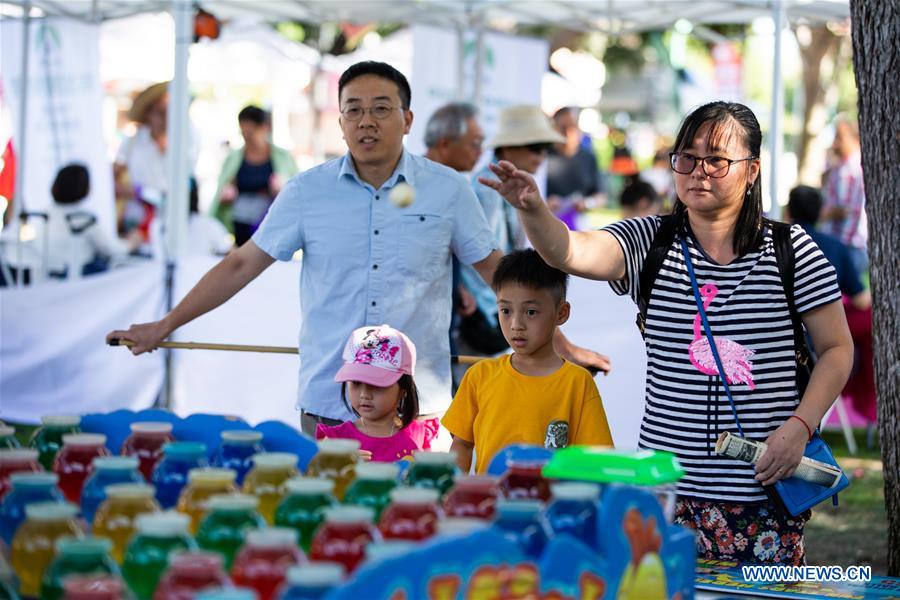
[[515, 185]]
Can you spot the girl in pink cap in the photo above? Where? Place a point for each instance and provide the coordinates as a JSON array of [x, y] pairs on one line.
[[377, 386]]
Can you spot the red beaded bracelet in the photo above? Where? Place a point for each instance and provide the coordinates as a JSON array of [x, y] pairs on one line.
[[808, 429]]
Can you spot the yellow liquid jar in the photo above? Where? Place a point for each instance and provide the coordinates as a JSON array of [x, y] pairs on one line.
[[115, 519], [336, 460], [267, 478], [34, 545], [203, 484]]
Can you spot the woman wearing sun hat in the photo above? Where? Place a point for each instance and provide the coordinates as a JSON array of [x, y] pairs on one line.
[[524, 138]]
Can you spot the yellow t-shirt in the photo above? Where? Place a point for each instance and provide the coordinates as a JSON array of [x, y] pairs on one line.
[[496, 406]]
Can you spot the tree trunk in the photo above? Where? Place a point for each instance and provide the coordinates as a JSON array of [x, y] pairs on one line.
[[876, 62]]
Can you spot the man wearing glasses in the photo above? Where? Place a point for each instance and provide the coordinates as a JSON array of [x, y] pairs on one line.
[[366, 261]]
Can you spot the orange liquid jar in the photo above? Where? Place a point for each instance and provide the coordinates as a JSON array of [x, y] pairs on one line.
[[146, 444], [203, 484], [267, 478], [115, 519], [335, 460], [34, 545]]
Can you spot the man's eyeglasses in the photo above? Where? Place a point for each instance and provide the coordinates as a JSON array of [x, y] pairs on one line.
[[713, 166], [539, 148], [379, 111]]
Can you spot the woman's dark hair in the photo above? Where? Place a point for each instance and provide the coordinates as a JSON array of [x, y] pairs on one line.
[[72, 184], [409, 400], [726, 118], [253, 114], [379, 69]]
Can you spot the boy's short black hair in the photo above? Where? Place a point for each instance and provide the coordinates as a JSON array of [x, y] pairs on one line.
[[72, 184], [379, 69], [636, 191], [805, 204], [409, 400], [253, 114], [528, 269]]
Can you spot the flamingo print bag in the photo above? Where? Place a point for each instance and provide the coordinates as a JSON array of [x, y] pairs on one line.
[[793, 495]]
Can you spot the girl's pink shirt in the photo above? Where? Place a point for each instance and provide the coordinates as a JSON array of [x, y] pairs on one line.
[[415, 436]]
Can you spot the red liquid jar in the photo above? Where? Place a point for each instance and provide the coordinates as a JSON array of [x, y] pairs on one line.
[[473, 496], [412, 514], [146, 444], [16, 460], [189, 573], [344, 535], [523, 481], [263, 562], [73, 464], [92, 587]]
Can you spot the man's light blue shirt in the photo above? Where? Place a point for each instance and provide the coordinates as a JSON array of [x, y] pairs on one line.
[[508, 235], [368, 262]]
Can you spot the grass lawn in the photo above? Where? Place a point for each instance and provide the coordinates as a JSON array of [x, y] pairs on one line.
[[854, 533]]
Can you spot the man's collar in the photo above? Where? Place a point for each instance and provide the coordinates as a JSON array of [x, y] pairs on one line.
[[404, 170]]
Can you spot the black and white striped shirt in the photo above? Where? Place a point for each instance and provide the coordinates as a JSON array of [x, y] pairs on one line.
[[686, 406]]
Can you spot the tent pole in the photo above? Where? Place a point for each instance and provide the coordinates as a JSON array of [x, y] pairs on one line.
[[775, 133], [18, 195]]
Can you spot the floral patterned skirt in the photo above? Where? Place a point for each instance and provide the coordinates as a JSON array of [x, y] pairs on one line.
[[746, 533]]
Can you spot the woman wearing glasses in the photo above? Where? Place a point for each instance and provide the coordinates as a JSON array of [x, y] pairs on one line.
[[718, 213]]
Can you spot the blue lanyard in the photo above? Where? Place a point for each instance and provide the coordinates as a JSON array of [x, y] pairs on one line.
[[708, 331]]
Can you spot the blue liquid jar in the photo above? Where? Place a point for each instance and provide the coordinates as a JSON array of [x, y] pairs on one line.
[[573, 510], [171, 474], [236, 451], [108, 470], [523, 522], [27, 488]]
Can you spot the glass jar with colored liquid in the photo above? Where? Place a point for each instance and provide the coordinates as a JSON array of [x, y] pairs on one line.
[[335, 460], [344, 535], [171, 473], [74, 556], [472, 496], [385, 549], [147, 557], [523, 481], [203, 484], [372, 486], [412, 515], [523, 522], [189, 573], [8, 438], [75, 462], [48, 438], [27, 488], [303, 508], [433, 470], [16, 460], [86, 587], [312, 581], [230, 516], [226, 593], [107, 470], [237, 450], [115, 519], [460, 526], [146, 444], [34, 545], [573, 510], [263, 561], [266, 480]]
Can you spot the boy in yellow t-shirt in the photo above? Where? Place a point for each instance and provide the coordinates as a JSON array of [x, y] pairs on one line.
[[532, 395]]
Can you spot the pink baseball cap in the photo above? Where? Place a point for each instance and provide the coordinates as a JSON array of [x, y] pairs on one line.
[[378, 355]]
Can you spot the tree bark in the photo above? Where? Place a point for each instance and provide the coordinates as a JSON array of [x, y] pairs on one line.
[[876, 62]]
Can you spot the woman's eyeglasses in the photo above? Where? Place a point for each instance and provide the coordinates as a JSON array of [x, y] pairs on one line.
[[713, 166]]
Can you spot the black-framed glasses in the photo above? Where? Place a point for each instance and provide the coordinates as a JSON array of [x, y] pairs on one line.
[[379, 111], [713, 166]]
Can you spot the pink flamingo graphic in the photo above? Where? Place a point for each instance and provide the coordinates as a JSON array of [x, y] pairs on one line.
[[735, 358]]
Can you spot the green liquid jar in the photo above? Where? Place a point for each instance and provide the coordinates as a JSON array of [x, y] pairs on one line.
[[372, 486], [147, 556], [48, 439], [77, 556], [229, 516], [303, 507], [432, 470]]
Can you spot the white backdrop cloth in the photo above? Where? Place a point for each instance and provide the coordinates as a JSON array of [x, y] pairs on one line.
[[53, 358]]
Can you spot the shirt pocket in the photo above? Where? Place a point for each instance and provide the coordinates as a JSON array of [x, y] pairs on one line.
[[424, 243]]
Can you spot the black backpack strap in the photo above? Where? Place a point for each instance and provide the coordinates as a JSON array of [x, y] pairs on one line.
[[656, 254], [80, 221], [784, 257]]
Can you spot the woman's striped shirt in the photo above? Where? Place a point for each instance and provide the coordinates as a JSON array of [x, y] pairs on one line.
[[686, 406]]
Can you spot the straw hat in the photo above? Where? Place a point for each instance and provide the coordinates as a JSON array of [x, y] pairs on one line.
[[146, 99], [524, 125]]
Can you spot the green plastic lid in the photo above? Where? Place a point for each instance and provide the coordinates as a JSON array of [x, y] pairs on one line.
[[605, 465]]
